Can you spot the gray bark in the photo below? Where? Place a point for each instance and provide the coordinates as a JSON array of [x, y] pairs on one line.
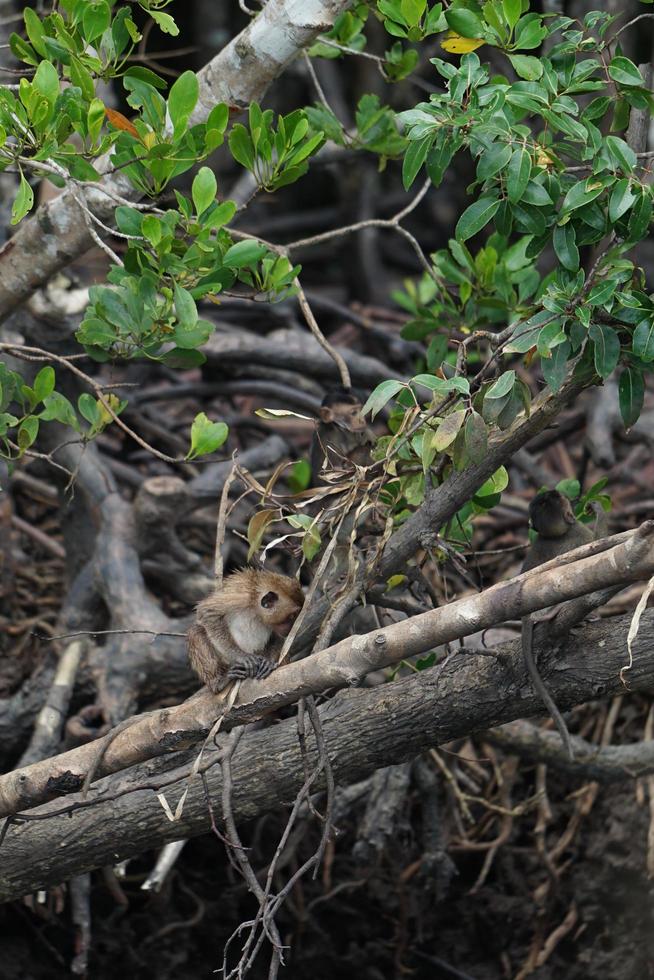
[[364, 730]]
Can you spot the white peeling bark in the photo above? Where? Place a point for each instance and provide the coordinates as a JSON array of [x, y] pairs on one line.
[[239, 74]]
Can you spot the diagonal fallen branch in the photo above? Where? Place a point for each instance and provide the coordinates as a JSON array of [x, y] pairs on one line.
[[341, 665], [364, 730]]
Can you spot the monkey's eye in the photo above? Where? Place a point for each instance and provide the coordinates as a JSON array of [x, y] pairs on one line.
[[269, 599]]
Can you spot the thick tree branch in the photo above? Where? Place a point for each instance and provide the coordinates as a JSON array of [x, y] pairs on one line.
[[363, 730], [341, 665]]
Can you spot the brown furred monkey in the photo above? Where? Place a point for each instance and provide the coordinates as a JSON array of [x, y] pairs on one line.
[[552, 517], [341, 435], [240, 627]]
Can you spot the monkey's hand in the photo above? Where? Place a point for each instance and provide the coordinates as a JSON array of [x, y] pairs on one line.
[[252, 666]]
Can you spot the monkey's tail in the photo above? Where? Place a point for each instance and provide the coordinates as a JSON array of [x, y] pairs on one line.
[[541, 690]]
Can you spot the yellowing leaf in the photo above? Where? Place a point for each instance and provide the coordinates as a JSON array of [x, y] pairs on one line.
[[456, 44], [257, 528], [543, 158], [114, 403]]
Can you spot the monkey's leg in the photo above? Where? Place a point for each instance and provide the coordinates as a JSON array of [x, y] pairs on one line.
[[541, 690], [253, 666]]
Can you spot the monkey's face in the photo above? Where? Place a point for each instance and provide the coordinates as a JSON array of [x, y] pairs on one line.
[[551, 514], [344, 415], [279, 608]]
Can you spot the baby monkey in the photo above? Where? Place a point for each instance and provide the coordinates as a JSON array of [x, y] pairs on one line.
[[341, 434], [240, 627], [552, 517]]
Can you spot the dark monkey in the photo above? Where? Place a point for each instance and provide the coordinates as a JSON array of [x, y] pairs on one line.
[[240, 627], [341, 434], [552, 517]]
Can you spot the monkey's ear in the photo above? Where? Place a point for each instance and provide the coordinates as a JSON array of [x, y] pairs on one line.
[[269, 599], [326, 414]]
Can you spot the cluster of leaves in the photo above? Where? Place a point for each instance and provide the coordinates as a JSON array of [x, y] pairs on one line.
[[453, 428], [547, 178], [24, 407], [275, 157], [376, 131], [175, 258]]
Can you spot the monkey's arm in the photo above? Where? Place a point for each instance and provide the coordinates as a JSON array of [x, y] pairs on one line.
[[204, 659], [539, 686], [216, 659]]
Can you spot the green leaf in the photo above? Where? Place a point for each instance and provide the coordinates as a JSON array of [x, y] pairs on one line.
[[59, 409], [182, 100], [518, 174], [34, 28], [311, 543], [631, 394], [244, 253], [462, 385], [512, 10], [299, 477], [23, 203], [185, 307], [44, 384], [182, 359], [606, 348], [220, 216], [622, 153], [582, 193], [643, 340], [46, 81], [414, 158], [241, 146], [570, 488], [625, 72], [28, 431], [165, 22], [498, 482], [191, 335], [204, 189], [464, 22], [565, 246], [436, 352], [89, 409], [622, 197], [529, 32], [381, 396], [152, 229], [475, 217], [493, 160], [82, 78], [502, 386], [526, 66], [206, 436], [95, 20]]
